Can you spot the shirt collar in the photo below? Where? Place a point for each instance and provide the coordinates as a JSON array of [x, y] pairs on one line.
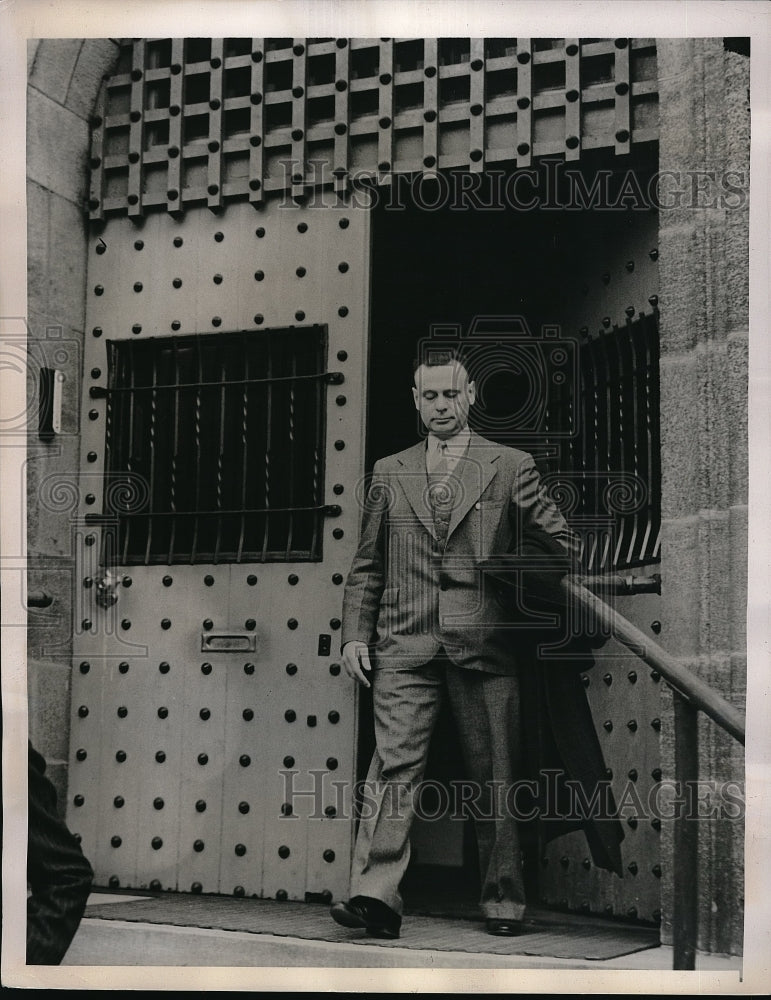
[[456, 445]]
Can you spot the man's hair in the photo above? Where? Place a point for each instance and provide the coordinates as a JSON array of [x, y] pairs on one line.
[[434, 357]]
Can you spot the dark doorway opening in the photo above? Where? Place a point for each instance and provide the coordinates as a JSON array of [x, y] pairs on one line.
[[445, 267]]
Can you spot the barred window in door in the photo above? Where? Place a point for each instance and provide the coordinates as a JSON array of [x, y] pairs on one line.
[[225, 434]]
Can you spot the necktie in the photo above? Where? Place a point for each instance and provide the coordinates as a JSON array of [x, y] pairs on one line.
[[441, 494], [441, 465]]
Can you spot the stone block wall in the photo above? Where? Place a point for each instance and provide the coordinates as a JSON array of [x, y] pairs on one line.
[[64, 77], [703, 272]]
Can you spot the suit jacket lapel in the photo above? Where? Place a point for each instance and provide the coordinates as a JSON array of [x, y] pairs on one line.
[[475, 472], [412, 477]]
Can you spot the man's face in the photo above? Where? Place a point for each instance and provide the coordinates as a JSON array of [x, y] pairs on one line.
[[443, 395]]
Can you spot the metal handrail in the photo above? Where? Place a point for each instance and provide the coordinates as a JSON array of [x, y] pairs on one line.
[[687, 685], [691, 695]]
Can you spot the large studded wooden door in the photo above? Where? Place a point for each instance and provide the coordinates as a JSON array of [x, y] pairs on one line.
[[212, 730]]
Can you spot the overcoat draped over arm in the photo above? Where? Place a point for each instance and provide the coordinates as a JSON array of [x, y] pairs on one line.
[[562, 751]]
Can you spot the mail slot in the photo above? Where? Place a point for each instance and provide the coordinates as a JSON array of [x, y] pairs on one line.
[[228, 642]]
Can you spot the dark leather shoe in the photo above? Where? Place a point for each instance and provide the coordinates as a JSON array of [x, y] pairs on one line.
[[504, 927], [373, 915]]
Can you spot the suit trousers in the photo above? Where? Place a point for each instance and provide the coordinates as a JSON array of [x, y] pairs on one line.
[[406, 703]]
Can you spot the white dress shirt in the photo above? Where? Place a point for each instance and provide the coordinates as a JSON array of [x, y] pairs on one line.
[[454, 449]]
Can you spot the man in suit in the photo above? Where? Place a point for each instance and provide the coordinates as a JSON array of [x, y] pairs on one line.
[[418, 618]]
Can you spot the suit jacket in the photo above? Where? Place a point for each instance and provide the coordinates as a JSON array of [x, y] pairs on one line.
[[406, 595]]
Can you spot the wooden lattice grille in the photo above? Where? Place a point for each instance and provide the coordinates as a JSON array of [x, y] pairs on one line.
[[202, 121]]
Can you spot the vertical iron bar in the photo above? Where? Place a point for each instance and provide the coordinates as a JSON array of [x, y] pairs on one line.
[[108, 423], [220, 454], [197, 439], [645, 378], [631, 428], [686, 840], [591, 456], [320, 425], [607, 414], [617, 442], [292, 455], [131, 361], [583, 446], [268, 445], [153, 411], [642, 440], [174, 450], [653, 423], [641, 368], [244, 444]]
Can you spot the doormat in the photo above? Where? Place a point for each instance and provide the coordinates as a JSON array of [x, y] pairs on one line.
[[574, 938]]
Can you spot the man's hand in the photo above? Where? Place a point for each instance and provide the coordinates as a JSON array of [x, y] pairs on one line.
[[356, 661]]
